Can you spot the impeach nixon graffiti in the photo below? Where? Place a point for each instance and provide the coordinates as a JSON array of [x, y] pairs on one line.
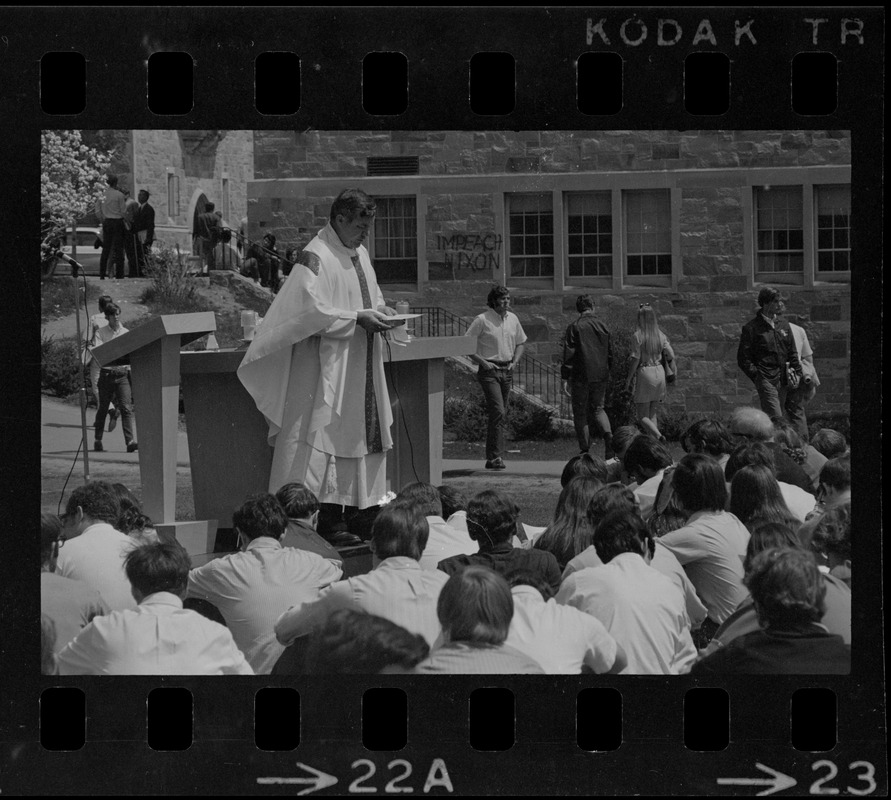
[[473, 251]]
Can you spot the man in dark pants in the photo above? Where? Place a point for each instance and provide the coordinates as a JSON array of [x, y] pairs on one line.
[[143, 228], [587, 358], [500, 342], [112, 211], [766, 346], [114, 384]]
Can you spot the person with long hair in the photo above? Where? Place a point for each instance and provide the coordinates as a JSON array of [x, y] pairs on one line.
[[646, 362], [755, 495], [570, 531]]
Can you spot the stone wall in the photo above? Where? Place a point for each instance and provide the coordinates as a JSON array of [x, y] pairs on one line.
[[702, 314], [200, 162]]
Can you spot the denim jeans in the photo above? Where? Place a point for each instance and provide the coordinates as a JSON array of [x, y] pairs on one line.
[[496, 384], [588, 413], [772, 397], [115, 385]]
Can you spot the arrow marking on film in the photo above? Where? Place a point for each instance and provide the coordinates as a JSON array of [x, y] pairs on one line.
[[319, 780], [777, 782]]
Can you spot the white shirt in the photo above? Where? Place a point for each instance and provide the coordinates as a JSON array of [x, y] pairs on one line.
[[159, 637], [253, 588], [803, 346], [800, 502], [445, 541], [646, 493], [712, 546], [497, 338], [397, 589], [642, 610], [558, 637], [96, 557], [663, 561]]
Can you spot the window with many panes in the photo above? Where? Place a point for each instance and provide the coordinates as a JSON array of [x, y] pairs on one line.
[[531, 235], [589, 235], [395, 240], [779, 215], [648, 235], [832, 208]]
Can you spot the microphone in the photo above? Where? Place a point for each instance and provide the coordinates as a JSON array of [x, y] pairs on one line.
[[76, 266]]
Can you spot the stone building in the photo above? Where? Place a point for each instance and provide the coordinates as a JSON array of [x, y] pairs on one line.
[[692, 222], [182, 170]]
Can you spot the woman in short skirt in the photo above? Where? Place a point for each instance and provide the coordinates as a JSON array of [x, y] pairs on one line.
[[646, 363]]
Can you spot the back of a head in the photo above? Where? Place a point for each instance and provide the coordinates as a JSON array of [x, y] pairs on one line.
[[767, 536], [612, 497], [297, 501], [751, 423], [98, 500], [622, 437], [355, 643], [646, 453], [260, 515], [158, 567], [112, 180], [584, 302], [452, 500], [752, 454], [832, 536], [475, 606], [755, 493], [50, 531], [526, 577], [351, 203], [698, 483], [622, 532], [103, 301], [836, 473], [787, 588], [584, 464], [491, 517], [423, 496], [209, 207], [399, 530], [131, 519], [829, 442], [707, 436]]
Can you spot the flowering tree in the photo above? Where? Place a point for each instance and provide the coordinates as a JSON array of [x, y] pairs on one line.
[[71, 179]]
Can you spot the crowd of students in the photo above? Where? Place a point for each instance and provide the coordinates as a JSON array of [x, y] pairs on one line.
[[735, 559]]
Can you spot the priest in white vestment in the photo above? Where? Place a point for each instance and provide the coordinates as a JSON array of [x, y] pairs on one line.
[[315, 367]]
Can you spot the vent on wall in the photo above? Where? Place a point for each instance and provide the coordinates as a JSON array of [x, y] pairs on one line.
[[393, 165]]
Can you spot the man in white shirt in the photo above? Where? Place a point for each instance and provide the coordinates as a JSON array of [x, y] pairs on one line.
[[500, 341], [443, 540], [159, 637], [643, 610], [253, 588], [712, 545], [93, 550], [560, 638], [397, 589], [801, 395]]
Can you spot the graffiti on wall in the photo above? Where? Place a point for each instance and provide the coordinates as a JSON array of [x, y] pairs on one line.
[[477, 252]]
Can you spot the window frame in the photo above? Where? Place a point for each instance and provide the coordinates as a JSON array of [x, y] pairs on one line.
[[373, 244], [592, 281], [529, 281], [833, 276]]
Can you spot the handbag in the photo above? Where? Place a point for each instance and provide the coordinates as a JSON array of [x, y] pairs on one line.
[[671, 372]]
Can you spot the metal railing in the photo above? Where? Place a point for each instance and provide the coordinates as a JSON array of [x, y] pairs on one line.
[[533, 377]]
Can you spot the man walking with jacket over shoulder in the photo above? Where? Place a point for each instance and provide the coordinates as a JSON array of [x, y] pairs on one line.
[[587, 358]]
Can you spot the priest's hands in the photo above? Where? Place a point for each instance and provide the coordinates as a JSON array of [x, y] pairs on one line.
[[376, 321]]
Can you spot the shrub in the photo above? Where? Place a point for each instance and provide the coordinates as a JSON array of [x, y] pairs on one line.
[[60, 366], [465, 418], [172, 290], [529, 421]]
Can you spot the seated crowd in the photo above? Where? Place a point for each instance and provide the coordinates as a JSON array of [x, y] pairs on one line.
[[734, 559]]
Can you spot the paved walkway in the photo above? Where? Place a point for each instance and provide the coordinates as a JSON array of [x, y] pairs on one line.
[[60, 436]]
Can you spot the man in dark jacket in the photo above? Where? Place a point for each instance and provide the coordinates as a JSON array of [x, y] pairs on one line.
[[587, 358], [766, 347], [143, 227]]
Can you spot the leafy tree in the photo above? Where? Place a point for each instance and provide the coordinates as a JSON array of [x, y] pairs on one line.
[[71, 179]]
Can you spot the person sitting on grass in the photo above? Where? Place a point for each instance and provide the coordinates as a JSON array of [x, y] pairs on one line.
[[646, 460], [711, 437], [830, 443], [570, 531], [302, 508], [615, 466], [492, 521], [475, 609], [443, 541], [789, 596]]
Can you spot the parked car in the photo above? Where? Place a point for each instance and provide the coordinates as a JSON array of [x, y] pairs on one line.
[[87, 254]]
